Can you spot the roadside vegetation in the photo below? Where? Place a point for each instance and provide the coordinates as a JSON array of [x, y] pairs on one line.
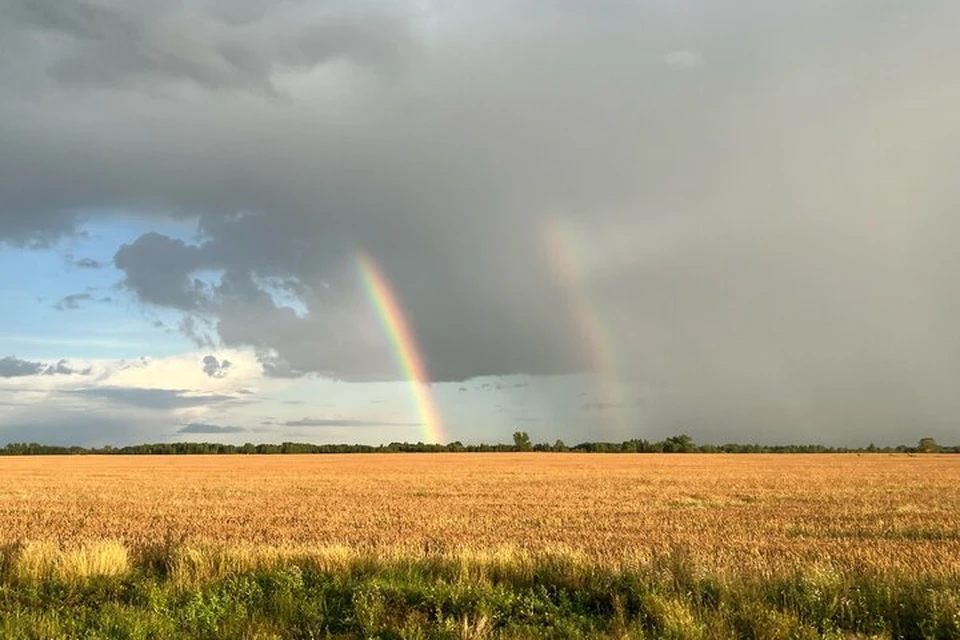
[[103, 591]]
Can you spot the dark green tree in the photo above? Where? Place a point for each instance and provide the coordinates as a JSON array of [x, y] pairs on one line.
[[679, 444], [521, 441]]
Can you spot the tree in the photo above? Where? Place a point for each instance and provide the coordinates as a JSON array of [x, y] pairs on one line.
[[928, 445], [679, 444], [521, 441]]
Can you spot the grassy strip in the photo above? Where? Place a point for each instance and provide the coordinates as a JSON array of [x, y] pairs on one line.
[[194, 593]]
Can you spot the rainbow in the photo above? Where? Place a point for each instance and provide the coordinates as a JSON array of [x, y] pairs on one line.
[[405, 347], [567, 264]]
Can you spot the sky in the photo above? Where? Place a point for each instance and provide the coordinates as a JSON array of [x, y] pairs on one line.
[[442, 220]]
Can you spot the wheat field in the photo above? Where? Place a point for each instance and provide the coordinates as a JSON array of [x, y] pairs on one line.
[[768, 512]]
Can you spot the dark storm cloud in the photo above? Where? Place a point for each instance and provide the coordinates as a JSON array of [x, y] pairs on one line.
[[160, 399], [210, 45], [23, 227], [757, 199], [197, 427], [157, 268]]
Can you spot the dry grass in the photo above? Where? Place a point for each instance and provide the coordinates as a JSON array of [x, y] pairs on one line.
[[45, 560], [769, 513]]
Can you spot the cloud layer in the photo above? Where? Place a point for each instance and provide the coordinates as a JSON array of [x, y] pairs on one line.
[[213, 429], [759, 201], [13, 367]]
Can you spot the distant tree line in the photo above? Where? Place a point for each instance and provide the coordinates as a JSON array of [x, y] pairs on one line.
[[521, 442]]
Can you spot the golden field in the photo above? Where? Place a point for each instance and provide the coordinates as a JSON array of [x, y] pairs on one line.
[[767, 512]]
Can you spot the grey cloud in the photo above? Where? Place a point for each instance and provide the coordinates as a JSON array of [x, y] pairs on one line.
[[345, 422], [81, 428], [157, 268], [88, 263], [275, 367], [198, 330], [82, 263], [75, 301], [683, 59], [159, 399], [605, 406], [13, 367], [23, 227], [763, 238], [63, 368], [196, 427], [215, 368], [138, 44]]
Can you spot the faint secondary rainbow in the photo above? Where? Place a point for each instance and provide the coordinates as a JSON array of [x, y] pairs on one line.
[[391, 314], [567, 262]]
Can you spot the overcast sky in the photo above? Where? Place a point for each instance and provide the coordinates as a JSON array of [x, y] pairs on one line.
[[602, 220]]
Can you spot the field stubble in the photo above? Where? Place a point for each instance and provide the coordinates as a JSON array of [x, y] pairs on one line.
[[765, 513]]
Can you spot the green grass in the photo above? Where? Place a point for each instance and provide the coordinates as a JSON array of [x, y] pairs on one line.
[[442, 597]]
